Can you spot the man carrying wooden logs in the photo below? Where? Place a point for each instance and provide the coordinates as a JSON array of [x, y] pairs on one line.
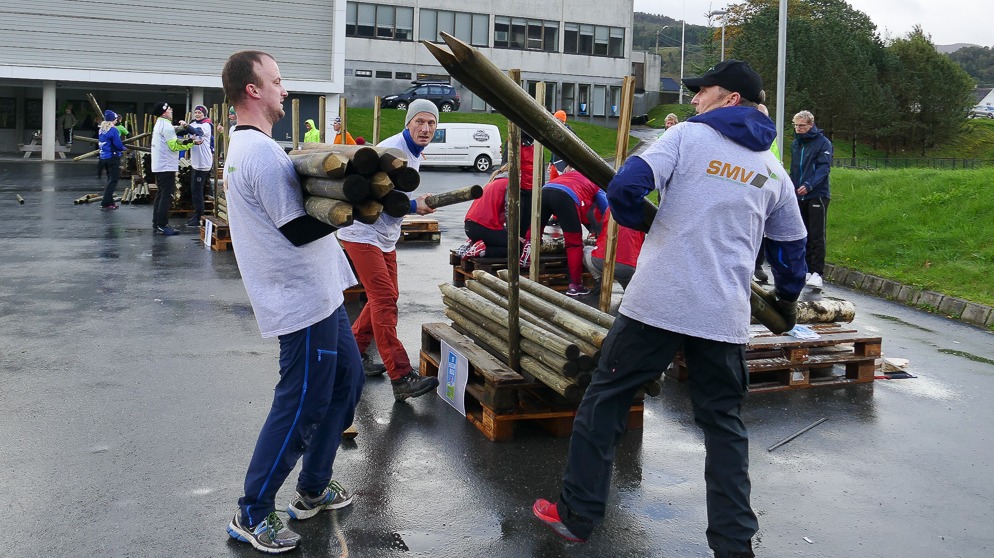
[[372, 249], [294, 272], [722, 191]]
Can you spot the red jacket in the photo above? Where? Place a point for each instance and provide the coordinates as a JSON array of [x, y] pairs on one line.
[[490, 210], [629, 243]]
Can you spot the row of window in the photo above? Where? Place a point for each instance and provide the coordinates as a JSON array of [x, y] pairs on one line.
[[396, 23]]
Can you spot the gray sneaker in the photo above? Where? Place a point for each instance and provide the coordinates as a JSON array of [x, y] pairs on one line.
[[334, 497], [413, 384], [269, 536]]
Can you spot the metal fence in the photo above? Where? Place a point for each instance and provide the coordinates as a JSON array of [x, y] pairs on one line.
[[910, 163]]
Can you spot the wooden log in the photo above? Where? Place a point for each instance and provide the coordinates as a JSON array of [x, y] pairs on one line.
[[585, 352], [451, 197], [825, 311], [365, 159], [353, 188], [588, 313], [323, 164], [379, 185], [500, 300], [653, 388], [558, 383], [589, 332], [336, 213], [405, 179], [396, 204], [761, 304], [86, 198], [555, 362], [20, 200], [86, 155], [391, 158], [472, 69], [367, 212], [499, 315]]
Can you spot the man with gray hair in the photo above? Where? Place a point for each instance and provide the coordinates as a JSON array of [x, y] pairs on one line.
[[810, 163], [372, 249]]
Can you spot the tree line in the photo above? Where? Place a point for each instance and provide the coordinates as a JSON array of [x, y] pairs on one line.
[[902, 95]]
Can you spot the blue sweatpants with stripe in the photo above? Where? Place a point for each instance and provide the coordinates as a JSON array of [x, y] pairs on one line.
[[321, 379]]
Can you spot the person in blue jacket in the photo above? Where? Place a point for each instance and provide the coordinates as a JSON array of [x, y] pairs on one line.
[[811, 161], [111, 149]]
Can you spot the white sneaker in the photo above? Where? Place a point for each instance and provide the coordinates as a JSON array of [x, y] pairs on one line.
[[807, 277], [814, 280]]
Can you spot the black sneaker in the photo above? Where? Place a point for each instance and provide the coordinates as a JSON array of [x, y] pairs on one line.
[[193, 222], [413, 385], [165, 231], [761, 275], [269, 536], [370, 367]]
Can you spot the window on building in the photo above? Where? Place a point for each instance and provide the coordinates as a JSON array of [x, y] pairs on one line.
[[402, 75], [569, 97], [379, 22], [583, 99], [594, 40], [477, 103], [598, 103], [471, 28], [526, 34], [383, 74], [615, 94]]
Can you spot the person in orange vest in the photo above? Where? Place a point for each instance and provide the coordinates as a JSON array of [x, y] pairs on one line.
[[340, 138]]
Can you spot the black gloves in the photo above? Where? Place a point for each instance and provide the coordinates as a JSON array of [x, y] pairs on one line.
[[787, 310]]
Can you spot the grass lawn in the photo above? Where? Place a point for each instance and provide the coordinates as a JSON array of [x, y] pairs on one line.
[[928, 228]]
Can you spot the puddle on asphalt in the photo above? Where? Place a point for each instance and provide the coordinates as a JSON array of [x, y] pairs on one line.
[[966, 355], [902, 322]]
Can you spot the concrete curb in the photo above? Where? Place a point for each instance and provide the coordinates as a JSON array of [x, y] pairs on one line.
[[949, 306]]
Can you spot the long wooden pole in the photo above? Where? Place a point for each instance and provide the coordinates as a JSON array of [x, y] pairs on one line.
[[376, 119], [620, 153], [480, 76], [592, 315], [295, 115], [322, 120], [343, 106], [538, 179], [513, 217], [451, 197]]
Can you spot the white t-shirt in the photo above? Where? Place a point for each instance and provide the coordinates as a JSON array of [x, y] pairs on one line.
[[290, 287], [717, 200], [385, 231], [202, 156], [163, 158]]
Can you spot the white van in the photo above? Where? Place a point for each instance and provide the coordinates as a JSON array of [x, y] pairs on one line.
[[458, 144]]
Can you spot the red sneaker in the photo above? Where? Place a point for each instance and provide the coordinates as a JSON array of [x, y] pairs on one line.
[[548, 513]]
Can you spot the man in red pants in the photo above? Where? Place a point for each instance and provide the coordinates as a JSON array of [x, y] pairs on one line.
[[372, 249]]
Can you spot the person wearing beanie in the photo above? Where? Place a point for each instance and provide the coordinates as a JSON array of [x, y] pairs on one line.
[[165, 164], [557, 165], [372, 249], [691, 290], [311, 133], [111, 149], [202, 159], [341, 139]]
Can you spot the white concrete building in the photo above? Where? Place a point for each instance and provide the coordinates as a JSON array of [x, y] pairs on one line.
[[131, 55]]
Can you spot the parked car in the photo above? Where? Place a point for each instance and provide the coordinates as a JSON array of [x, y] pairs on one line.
[[442, 94], [459, 144], [981, 111]]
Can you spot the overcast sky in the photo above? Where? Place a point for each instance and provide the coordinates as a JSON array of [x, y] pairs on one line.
[[949, 21]]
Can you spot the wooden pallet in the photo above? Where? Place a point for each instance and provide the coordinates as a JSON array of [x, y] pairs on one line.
[[553, 273], [498, 398], [220, 233], [842, 355], [419, 228]]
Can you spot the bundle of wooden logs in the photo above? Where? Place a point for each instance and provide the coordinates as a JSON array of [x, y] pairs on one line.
[[346, 183], [560, 337]]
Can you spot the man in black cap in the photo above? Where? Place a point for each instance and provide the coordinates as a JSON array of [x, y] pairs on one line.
[[165, 164], [722, 191]]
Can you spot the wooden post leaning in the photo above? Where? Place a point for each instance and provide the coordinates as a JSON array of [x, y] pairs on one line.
[[538, 179], [621, 152]]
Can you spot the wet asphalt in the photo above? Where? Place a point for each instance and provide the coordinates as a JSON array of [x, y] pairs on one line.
[[134, 383]]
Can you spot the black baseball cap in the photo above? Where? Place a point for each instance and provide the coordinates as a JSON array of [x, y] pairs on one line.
[[734, 75]]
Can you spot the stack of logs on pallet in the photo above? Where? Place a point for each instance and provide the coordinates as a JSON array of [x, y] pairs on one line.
[[560, 341]]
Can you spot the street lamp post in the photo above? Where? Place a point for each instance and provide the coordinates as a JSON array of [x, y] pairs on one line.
[[724, 20], [683, 42]]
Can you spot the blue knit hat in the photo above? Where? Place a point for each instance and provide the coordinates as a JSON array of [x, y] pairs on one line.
[[110, 115]]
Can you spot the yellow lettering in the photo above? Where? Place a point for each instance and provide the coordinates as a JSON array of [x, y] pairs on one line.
[[745, 177], [714, 167], [729, 171]]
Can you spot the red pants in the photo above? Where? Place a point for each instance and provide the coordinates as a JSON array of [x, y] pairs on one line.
[[377, 272]]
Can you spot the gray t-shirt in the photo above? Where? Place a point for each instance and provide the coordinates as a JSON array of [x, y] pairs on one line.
[[291, 287], [717, 200], [385, 231]]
